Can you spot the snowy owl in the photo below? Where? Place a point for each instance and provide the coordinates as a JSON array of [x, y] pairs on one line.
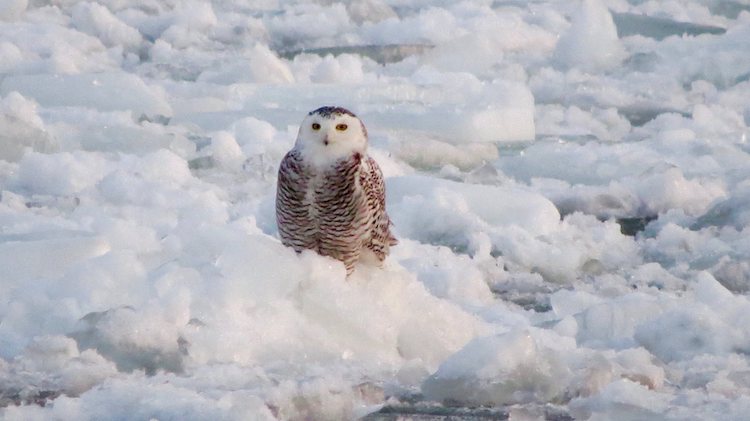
[[330, 196]]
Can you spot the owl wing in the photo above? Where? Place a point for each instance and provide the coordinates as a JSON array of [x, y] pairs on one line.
[[381, 238], [296, 229]]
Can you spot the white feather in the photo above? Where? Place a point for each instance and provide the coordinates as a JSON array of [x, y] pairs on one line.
[[340, 143]]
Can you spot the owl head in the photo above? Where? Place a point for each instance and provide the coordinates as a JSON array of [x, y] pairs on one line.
[[329, 134]]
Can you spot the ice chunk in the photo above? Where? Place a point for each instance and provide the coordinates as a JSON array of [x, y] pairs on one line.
[[622, 400], [732, 211], [58, 356], [510, 119], [261, 65], [31, 257], [591, 43], [253, 135], [225, 151], [671, 189], [303, 23], [573, 122], [262, 144], [474, 53], [21, 128], [498, 206], [196, 16], [267, 283], [485, 49], [710, 292], [728, 8], [120, 133], [449, 276], [369, 11], [14, 106], [130, 340], [483, 220], [103, 91], [345, 68], [472, 111], [675, 243], [614, 323], [499, 370], [567, 302], [433, 153], [10, 56], [733, 274], [51, 365], [640, 113], [139, 397], [683, 333], [11, 10], [429, 410], [326, 397], [382, 54], [266, 67], [425, 24], [97, 20], [657, 27], [641, 366], [59, 174]]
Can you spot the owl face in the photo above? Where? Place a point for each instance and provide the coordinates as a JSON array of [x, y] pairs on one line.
[[329, 134]]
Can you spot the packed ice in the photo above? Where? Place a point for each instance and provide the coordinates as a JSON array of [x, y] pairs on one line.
[[568, 182]]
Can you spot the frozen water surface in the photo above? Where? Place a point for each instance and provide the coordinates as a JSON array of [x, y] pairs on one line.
[[568, 181]]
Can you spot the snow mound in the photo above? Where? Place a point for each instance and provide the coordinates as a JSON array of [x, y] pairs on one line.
[[328, 318], [21, 128], [95, 19], [591, 43]]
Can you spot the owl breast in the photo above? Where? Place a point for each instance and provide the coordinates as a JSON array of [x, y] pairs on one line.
[[339, 209], [325, 210]]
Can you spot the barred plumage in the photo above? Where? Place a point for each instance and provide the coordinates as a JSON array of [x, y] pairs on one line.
[[331, 196]]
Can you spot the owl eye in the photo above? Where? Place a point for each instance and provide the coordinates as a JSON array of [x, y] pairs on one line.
[[341, 127], [316, 126]]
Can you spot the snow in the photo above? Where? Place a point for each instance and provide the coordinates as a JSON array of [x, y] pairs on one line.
[[591, 43], [21, 128], [568, 182], [11, 10], [505, 369], [102, 91], [95, 19]]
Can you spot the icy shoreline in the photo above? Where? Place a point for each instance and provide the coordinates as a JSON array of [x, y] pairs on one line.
[[140, 272]]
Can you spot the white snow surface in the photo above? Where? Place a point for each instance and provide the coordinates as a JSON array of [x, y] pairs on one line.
[[141, 276]]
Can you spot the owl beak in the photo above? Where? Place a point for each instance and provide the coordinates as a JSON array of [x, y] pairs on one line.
[[325, 140]]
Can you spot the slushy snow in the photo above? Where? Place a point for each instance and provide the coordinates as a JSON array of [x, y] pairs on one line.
[[568, 182]]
